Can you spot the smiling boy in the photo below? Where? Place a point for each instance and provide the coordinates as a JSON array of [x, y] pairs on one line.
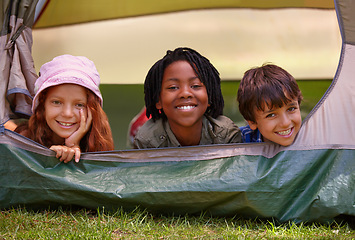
[[269, 100]]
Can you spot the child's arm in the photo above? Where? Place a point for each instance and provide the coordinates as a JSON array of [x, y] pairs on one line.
[[74, 139]]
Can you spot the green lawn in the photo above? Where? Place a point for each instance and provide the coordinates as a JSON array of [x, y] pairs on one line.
[[123, 102], [138, 224]]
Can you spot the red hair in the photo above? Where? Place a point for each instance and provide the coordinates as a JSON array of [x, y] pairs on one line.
[[98, 138]]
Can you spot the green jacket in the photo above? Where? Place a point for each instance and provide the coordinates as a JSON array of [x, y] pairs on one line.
[[214, 131]]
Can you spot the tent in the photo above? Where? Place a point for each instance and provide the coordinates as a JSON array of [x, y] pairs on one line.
[[311, 180], [229, 33]]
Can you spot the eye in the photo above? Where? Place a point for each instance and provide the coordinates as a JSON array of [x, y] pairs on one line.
[[291, 109], [80, 105], [172, 87], [270, 115], [196, 86], [56, 102]]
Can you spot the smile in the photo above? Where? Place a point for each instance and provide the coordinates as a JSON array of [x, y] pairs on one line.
[[185, 107], [66, 124], [286, 132]]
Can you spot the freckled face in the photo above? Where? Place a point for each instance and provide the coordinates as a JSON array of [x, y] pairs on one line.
[[279, 125], [62, 109], [183, 96]]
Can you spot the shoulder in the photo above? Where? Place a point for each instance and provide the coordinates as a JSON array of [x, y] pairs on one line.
[[150, 134], [222, 120], [249, 135], [225, 128], [150, 126], [23, 129]]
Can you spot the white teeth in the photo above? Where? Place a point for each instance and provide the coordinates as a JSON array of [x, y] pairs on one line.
[[186, 107], [66, 124], [285, 132]]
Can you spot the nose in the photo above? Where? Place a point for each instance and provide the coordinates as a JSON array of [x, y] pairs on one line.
[[285, 120], [67, 111], [185, 92]]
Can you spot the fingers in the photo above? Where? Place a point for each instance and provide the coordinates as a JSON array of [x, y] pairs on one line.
[[85, 123], [77, 154], [58, 150], [82, 119], [66, 154]]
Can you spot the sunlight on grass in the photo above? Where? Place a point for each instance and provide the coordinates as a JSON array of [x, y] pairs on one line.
[[139, 224]]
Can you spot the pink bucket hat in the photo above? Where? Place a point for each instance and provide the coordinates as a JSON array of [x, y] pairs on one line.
[[67, 69]]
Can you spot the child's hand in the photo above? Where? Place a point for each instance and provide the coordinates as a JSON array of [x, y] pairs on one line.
[[84, 127], [66, 154]]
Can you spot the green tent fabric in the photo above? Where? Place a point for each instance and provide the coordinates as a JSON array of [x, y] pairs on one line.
[[222, 180], [63, 12], [311, 180]]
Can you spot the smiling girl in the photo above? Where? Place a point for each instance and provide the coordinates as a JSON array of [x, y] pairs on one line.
[[184, 100], [67, 109]]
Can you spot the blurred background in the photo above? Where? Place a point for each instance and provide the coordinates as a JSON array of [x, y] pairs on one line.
[[304, 41], [123, 101]]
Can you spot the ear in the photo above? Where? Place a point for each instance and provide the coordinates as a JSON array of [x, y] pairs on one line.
[[158, 105], [252, 125]]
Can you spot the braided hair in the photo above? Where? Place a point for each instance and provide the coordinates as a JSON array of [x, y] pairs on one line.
[[205, 71]]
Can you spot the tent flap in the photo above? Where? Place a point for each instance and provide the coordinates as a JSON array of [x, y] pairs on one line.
[[18, 74], [310, 185], [66, 12]]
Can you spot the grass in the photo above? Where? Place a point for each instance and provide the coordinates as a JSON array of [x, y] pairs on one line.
[[138, 224]]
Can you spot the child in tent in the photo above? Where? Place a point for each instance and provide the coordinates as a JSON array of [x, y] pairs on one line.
[[269, 100], [183, 98], [67, 109]]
